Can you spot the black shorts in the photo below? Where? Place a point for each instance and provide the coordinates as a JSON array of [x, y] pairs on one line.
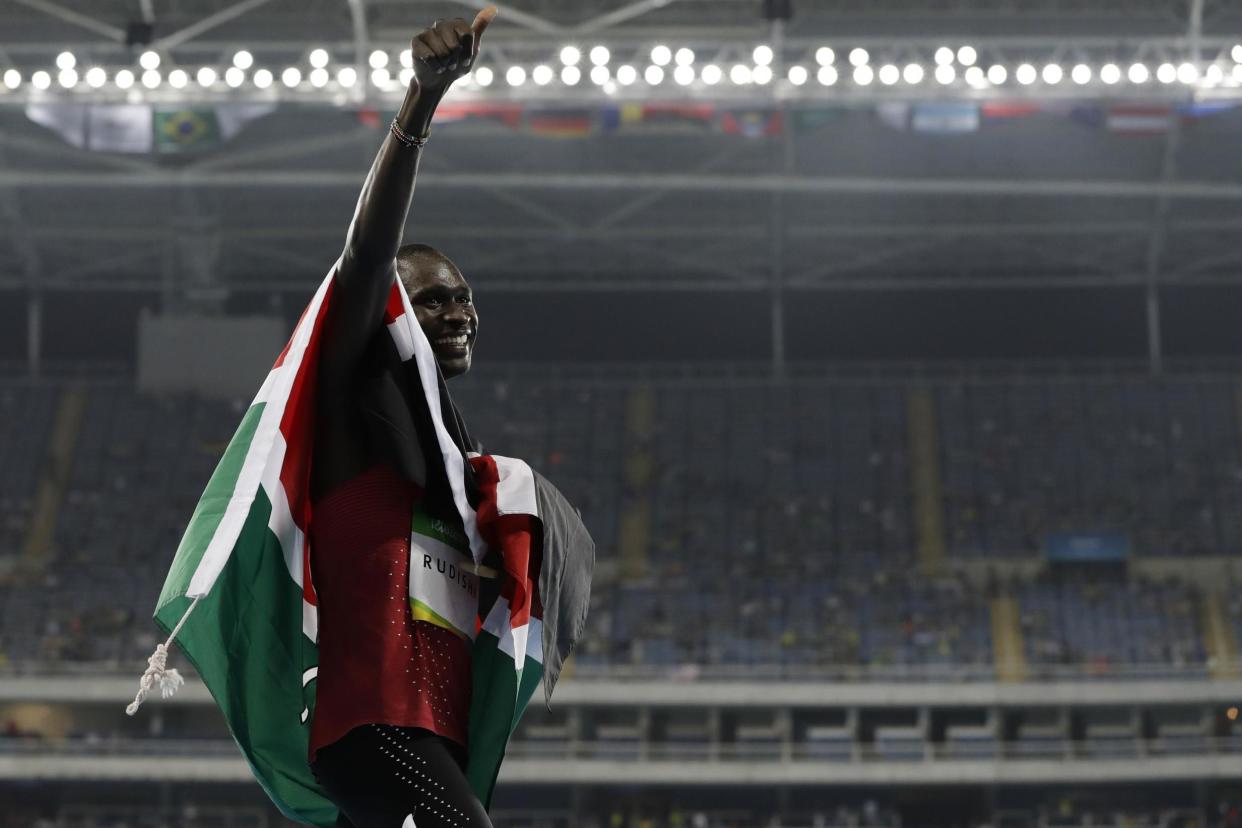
[[378, 775]]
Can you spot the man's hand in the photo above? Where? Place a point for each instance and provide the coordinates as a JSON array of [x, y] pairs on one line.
[[447, 50]]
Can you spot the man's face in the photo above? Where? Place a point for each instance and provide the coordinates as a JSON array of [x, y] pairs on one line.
[[445, 309]]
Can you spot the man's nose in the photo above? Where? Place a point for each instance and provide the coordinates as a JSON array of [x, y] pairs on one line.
[[457, 314]]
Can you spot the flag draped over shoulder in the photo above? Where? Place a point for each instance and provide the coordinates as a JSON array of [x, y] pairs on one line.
[[242, 570]]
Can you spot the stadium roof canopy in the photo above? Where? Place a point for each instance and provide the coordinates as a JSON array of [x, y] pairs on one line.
[[1102, 151]]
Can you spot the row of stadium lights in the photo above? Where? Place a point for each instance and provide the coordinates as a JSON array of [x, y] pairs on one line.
[[682, 69]]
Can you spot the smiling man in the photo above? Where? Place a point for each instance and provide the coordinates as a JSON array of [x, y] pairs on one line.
[[443, 304]]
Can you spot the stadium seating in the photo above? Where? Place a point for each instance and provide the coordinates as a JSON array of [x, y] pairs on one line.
[[777, 525]]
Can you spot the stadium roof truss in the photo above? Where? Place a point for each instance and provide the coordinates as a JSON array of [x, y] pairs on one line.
[[860, 200]]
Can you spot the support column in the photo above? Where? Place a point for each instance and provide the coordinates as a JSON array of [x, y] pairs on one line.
[[34, 334]]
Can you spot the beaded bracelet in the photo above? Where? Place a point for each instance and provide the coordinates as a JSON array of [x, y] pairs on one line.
[[404, 137]]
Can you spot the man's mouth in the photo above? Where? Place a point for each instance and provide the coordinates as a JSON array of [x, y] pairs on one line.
[[451, 343]]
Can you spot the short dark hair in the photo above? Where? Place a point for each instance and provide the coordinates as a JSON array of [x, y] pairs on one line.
[[410, 256]]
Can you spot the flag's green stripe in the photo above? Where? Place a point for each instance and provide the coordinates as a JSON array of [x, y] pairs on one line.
[[210, 509], [245, 639], [493, 722]]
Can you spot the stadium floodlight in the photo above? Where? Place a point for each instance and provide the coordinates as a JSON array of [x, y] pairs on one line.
[[684, 75], [943, 55], [740, 74], [859, 56], [379, 59], [483, 76], [827, 75], [405, 58], [684, 56], [626, 74], [1237, 73], [66, 60], [233, 76], [762, 56], [1213, 75], [967, 55], [654, 75], [889, 74], [149, 60], [945, 74], [1026, 74], [380, 78], [570, 55], [600, 55], [41, 80], [600, 75], [178, 79], [124, 79], [67, 78], [661, 55], [798, 75], [863, 75], [1110, 73], [913, 73], [711, 74], [1081, 74], [319, 58], [407, 74], [1166, 73], [96, 77], [205, 76], [12, 78], [1236, 53], [570, 75], [975, 76], [1138, 73], [824, 56], [997, 74], [318, 78], [151, 78], [515, 76], [761, 75], [1053, 74], [291, 77], [262, 78], [542, 74], [243, 60], [1188, 73]]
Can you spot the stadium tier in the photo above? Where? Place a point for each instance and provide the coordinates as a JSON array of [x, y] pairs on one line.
[[796, 525]]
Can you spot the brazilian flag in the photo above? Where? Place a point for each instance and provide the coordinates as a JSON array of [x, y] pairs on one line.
[[186, 130]]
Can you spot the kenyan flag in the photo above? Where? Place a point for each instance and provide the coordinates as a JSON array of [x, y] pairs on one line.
[[242, 573]]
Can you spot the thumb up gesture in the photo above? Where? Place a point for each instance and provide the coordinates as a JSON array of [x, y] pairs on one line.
[[446, 50]]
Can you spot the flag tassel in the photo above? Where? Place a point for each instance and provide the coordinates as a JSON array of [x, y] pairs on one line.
[[158, 672]]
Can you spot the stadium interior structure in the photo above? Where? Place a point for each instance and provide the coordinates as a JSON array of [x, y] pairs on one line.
[[890, 348]]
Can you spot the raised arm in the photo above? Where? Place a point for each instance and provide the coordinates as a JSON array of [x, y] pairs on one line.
[[442, 54]]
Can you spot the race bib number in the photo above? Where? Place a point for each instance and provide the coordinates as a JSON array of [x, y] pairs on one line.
[[443, 588]]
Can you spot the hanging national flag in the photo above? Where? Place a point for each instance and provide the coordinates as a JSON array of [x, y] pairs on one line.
[[753, 123], [812, 118], [502, 114], [181, 130], [561, 123], [945, 117], [1138, 120], [1008, 109], [663, 117], [239, 598]]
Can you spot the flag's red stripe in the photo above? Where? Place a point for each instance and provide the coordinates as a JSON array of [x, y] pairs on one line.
[[297, 425], [512, 535], [394, 309]]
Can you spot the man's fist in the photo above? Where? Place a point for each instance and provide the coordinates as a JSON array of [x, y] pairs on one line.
[[447, 50]]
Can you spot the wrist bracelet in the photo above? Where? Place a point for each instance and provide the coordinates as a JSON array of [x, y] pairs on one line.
[[404, 137]]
